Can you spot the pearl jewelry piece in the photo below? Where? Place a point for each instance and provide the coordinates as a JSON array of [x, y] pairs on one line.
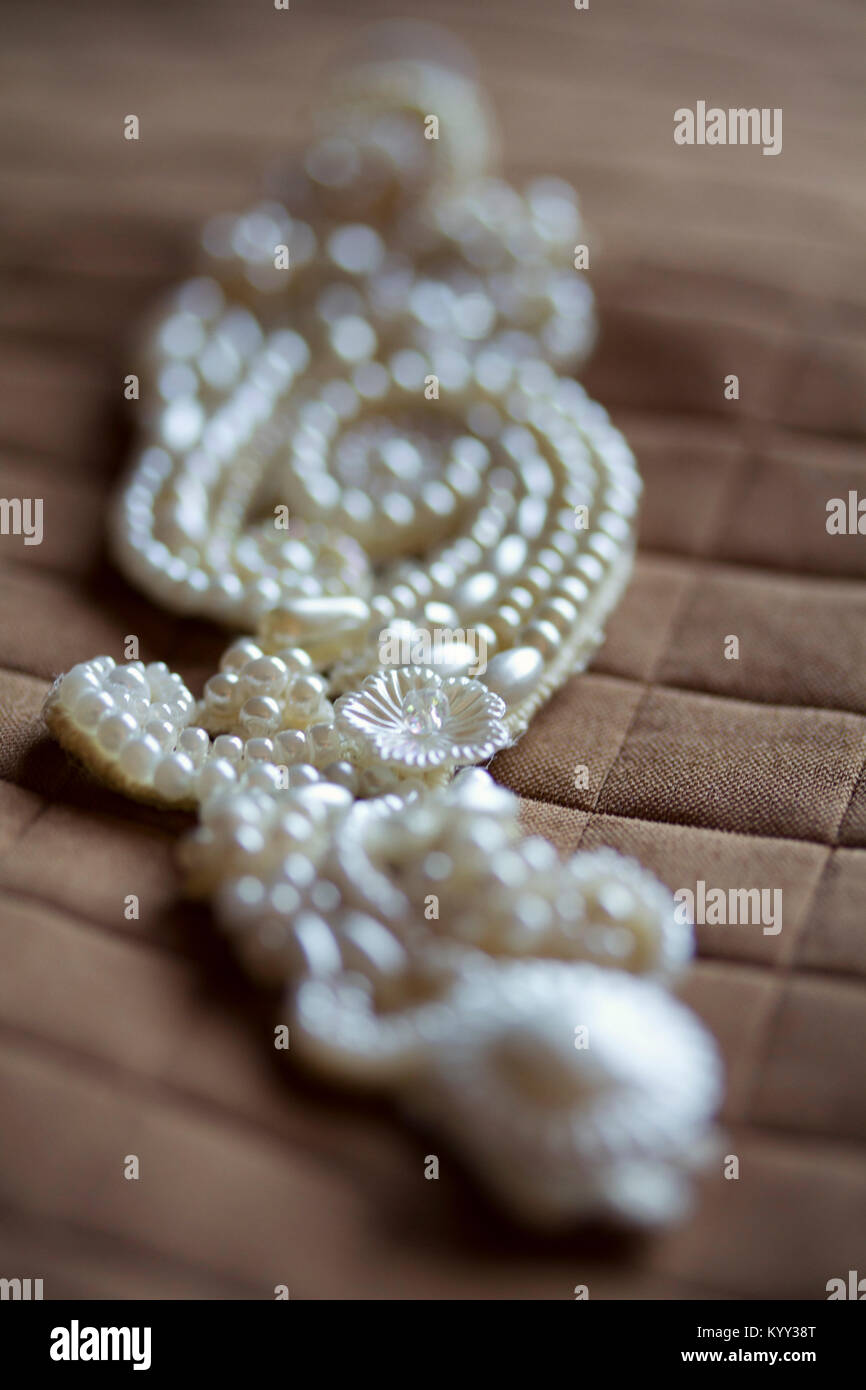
[[363, 457]]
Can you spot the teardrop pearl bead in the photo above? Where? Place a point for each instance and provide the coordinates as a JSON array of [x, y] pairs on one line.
[[514, 674], [325, 627]]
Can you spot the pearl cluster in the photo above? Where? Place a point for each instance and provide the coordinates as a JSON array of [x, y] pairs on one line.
[[264, 721], [508, 894], [376, 439], [329, 898], [131, 722], [496, 891], [140, 728]]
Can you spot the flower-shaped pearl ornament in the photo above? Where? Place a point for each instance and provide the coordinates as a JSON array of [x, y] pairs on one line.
[[414, 716]]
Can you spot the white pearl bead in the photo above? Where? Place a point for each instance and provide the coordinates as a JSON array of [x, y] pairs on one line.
[[92, 706], [574, 589], [245, 842], [80, 681], [195, 743], [293, 828], [158, 675], [160, 710], [533, 913], [324, 742], [539, 580], [258, 750], [564, 543], [343, 774], [223, 693], [514, 674], [405, 599], [266, 594], [560, 612], [454, 658], [113, 730], [259, 716], [326, 626], [544, 636], [239, 654], [521, 598], [120, 695], [296, 868], [443, 576], [229, 812], [590, 568], [173, 777], [302, 775], [540, 854], [323, 798], [290, 747], [476, 593], [296, 660], [382, 609], [305, 692], [266, 675], [130, 678], [506, 622], [139, 757], [264, 777], [510, 556], [439, 614], [228, 748], [614, 526], [239, 901], [551, 560], [217, 775], [162, 731]]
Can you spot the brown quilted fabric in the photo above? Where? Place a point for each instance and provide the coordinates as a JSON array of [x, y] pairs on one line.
[[136, 1037]]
